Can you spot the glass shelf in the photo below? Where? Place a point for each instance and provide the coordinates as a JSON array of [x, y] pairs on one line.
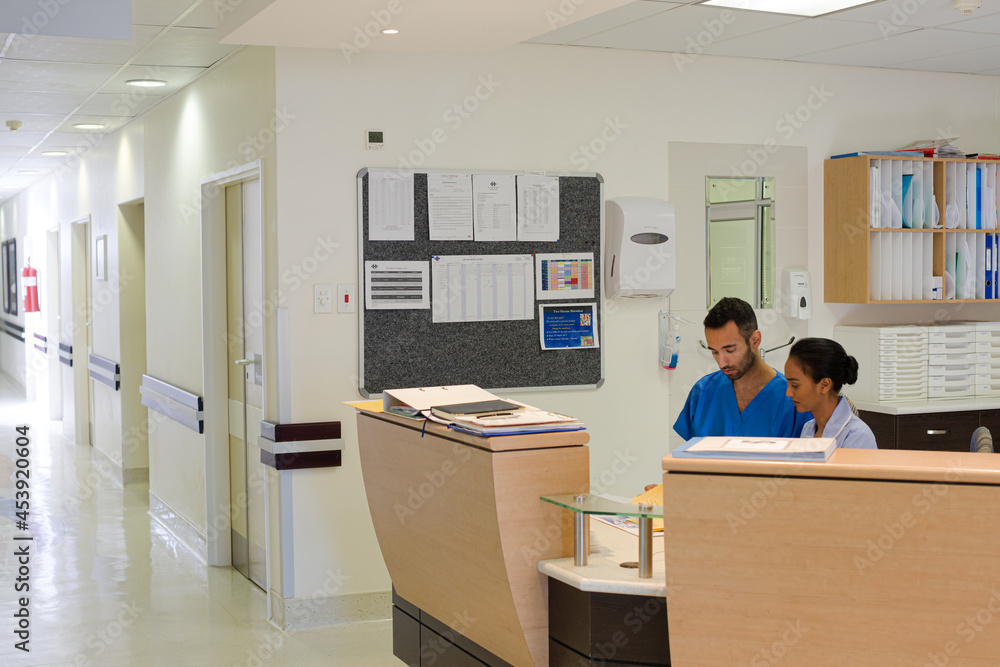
[[583, 505], [596, 505]]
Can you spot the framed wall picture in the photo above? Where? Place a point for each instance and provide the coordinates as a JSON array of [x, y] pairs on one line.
[[8, 265], [3, 275], [101, 257]]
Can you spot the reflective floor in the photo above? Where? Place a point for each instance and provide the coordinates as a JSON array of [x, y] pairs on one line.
[[108, 586]]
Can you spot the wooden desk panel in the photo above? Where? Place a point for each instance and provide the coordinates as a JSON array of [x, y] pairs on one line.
[[831, 571], [462, 528]]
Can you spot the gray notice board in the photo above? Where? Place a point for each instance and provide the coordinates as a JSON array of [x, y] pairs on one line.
[[404, 348]]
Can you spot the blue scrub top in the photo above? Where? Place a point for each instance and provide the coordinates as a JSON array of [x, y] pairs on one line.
[[849, 430], [711, 409]]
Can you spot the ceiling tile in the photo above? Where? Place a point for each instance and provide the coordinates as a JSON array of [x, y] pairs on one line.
[[20, 138], [687, 27], [185, 47], [122, 104], [796, 39], [160, 12], [979, 60], [989, 23], [13, 101], [79, 49], [920, 13], [53, 77], [176, 78], [34, 123], [902, 47], [205, 15], [605, 21]]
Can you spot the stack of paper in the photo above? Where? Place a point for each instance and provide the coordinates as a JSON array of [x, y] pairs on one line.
[[530, 420], [521, 419], [769, 449]]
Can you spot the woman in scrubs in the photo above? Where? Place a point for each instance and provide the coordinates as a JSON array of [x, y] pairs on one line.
[[816, 370]]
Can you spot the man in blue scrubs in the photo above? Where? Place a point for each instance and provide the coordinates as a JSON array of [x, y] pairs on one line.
[[745, 396]]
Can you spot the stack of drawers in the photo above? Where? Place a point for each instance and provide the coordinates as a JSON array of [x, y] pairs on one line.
[[893, 361], [988, 359], [951, 361]]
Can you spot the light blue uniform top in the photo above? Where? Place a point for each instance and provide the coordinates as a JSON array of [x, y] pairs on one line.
[[711, 409], [849, 430]]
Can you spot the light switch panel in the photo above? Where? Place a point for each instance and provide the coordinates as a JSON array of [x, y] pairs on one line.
[[322, 298]]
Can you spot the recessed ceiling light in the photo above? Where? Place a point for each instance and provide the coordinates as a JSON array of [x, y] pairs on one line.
[[796, 7], [146, 83], [55, 153], [89, 126], [390, 31]]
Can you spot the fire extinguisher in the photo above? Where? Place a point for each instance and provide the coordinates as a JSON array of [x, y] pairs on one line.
[[29, 276]]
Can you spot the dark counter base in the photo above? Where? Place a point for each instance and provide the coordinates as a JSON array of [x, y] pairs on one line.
[[605, 628], [420, 640], [934, 431]]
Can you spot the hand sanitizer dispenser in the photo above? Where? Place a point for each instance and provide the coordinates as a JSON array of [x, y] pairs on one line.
[[798, 293], [640, 260]]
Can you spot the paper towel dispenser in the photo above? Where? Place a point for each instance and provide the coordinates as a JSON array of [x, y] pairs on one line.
[[640, 260]]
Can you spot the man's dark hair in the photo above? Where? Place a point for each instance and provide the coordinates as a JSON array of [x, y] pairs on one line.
[[730, 309]]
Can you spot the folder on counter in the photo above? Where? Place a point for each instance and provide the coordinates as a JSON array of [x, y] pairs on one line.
[[761, 449]]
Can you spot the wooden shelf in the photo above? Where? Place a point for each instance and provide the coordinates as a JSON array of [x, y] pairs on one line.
[[847, 232]]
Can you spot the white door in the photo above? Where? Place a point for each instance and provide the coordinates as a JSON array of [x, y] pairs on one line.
[[245, 315]]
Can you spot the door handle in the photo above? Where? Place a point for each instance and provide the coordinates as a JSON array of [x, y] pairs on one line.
[[244, 362]]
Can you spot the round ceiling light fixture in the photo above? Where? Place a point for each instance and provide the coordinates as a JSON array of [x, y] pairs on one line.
[[146, 83]]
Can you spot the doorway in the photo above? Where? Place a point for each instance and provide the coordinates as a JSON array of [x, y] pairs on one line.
[[77, 404], [53, 309], [245, 353]]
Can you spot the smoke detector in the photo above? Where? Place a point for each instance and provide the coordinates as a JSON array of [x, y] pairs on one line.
[[967, 6], [14, 125]]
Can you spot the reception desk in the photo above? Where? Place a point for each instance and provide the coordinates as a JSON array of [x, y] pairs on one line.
[[461, 528], [872, 558]]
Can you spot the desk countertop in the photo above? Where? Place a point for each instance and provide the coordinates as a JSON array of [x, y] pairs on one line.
[[610, 546], [875, 464], [925, 407]]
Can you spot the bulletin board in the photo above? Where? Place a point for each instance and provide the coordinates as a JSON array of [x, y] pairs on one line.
[[405, 348]]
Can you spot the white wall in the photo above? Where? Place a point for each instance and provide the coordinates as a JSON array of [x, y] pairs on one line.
[[544, 104], [220, 121], [89, 184]]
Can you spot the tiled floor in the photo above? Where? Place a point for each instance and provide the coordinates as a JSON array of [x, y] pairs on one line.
[[109, 587]]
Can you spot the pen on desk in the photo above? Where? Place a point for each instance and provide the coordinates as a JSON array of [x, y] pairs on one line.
[[499, 414]]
